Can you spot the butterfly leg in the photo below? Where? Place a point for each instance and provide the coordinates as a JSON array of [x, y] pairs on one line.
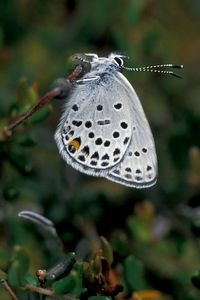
[[81, 81], [94, 55]]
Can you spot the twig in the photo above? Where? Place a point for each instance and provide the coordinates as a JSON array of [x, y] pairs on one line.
[[60, 92], [46, 292], [44, 100], [8, 289], [33, 288]]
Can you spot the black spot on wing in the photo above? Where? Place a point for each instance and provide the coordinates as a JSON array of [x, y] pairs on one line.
[[116, 134], [93, 162], [107, 143], [116, 151], [103, 122], [99, 107], [126, 140], [149, 168], [77, 123], [116, 159], [128, 176], [86, 150], [138, 178], [104, 164], [98, 141], [124, 125], [118, 106], [95, 155], [81, 158], [137, 154], [144, 150], [88, 124], [106, 156], [91, 134], [75, 107]]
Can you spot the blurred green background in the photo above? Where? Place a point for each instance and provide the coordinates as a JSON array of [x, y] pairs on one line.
[[160, 226]]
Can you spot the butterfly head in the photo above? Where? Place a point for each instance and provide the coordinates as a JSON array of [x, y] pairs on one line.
[[88, 62], [114, 59]]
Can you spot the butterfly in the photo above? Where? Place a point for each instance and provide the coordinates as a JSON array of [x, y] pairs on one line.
[[103, 130]]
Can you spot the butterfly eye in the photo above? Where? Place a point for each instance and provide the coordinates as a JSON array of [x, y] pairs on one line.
[[119, 61]]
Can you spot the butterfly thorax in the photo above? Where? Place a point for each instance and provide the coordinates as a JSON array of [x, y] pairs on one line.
[[102, 68]]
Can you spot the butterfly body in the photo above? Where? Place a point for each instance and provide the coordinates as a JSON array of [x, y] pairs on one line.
[[103, 130]]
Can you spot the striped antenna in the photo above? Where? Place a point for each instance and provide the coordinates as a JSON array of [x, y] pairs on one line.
[[157, 69]]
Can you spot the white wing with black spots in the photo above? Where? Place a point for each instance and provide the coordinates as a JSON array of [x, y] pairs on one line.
[[95, 130], [138, 167]]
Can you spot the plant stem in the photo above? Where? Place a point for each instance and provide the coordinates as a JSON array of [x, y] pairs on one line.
[[8, 289]]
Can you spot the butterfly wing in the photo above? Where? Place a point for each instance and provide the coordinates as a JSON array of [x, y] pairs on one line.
[[138, 167], [94, 132]]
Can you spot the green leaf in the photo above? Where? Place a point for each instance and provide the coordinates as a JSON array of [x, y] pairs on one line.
[[96, 265], [65, 285], [107, 251], [78, 288], [134, 274], [18, 267], [29, 279], [71, 284]]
